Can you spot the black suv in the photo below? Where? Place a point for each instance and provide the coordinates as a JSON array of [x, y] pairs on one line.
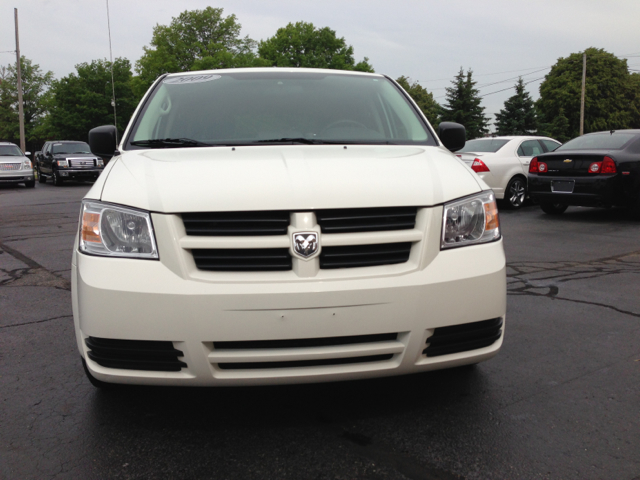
[[63, 160]]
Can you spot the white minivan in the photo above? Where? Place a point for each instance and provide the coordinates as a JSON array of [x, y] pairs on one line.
[[270, 226]]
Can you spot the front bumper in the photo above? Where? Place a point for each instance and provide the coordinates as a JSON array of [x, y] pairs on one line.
[[17, 176], [155, 300], [82, 174], [592, 191]]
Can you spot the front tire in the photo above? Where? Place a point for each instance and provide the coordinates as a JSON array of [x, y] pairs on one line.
[[57, 180], [515, 193], [30, 184], [553, 208], [41, 178]]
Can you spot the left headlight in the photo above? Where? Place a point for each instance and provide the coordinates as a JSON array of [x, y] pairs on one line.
[[26, 164], [115, 231], [470, 220]]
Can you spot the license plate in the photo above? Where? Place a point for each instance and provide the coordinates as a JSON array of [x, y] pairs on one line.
[[562, 186]]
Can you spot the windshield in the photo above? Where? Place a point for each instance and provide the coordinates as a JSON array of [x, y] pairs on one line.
[[258, 108], [483, 145], [599, 141], [76, 147], [10, 151]]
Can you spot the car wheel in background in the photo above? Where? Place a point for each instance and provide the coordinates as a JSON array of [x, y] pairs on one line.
[[57, 181], [41, 178], [553, 208], [30, 184], [515, 193]]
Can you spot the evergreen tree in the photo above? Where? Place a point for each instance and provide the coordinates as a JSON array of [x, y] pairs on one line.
[[423, 98], [463, 105], [518, 117]]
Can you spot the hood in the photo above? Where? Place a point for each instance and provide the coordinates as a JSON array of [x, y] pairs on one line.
[[290, 177]]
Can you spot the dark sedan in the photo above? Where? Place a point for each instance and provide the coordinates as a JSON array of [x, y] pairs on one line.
[[596, 170]]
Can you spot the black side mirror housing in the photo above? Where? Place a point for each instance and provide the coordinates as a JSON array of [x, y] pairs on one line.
[[452, 135], [102, 141]]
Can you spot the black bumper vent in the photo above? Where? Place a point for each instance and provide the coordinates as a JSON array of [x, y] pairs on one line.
[[242, 259], [304, 363], [236, 223], [353, 220], [364, 255], [305, 342], [462, 338], [135, 354]]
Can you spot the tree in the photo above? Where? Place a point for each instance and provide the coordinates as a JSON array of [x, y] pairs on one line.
[[303, 45], [518, 117], [463, 105], [423, 99], [82, 101], [195, 40], [34, 86], [612, 94]]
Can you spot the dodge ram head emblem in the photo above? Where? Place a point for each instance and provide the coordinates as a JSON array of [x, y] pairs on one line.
[[305, 244]]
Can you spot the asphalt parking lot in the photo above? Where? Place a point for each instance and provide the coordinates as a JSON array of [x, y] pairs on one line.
[[561, 400]]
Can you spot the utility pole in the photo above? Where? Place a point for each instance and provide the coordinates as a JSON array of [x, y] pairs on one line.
[[20, 110], [584, 80], [113, 85]]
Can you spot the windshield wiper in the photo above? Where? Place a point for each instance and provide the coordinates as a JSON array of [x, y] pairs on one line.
[[307, 141], [169, 143]]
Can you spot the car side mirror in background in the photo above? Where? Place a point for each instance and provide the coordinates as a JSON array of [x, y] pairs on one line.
[[452, 135], [26, 154], [102, 141]]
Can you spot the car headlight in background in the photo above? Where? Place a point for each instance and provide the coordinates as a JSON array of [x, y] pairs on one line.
[[62, 163], [26, 164], [115, 231], [470, 220], [99, 162]]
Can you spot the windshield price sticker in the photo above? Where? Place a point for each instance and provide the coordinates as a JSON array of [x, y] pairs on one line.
[[190, 79]]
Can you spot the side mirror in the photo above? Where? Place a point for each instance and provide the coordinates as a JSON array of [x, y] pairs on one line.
[[26, 154], [452, 135], [102, 141]]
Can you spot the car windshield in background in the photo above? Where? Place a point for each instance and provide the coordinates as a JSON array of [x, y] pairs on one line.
[[10, 151], [599, 141], [79, 147], [483, 145], [280, 107]]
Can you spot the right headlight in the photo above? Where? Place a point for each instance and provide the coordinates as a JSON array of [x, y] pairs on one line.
[[116, 231], [470, 220]]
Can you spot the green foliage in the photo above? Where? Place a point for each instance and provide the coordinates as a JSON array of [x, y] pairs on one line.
[[463, 105], [423, 99], [612, 95], [82, 101], [195, 40], [303, 45], [34, 86], [518, 117]]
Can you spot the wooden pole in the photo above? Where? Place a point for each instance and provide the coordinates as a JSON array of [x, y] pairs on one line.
[[584, 80], [19, 71]]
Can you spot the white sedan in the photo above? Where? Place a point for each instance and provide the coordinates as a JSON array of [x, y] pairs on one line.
[[503, 163]]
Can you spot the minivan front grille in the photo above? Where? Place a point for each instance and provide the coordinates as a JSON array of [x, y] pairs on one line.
[[242, 259], [464, 337], [353, 220], [364, 255], [236, 223], [159, 356]]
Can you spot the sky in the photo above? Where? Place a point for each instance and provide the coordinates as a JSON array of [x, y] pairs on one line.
[[428, 41]]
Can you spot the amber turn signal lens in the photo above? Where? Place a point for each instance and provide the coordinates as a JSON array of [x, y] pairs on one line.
[[91, 227], [491, 216]]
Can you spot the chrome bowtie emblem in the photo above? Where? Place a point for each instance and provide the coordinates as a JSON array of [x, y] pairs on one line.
[[305, 244], [568, 160]]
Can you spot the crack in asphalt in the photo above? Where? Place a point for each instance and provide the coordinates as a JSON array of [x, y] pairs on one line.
[[34, 276], [551, 276], [35, 321]]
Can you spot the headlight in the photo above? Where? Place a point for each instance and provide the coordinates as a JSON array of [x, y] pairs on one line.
[[115, 231], [26, 164], [470, 221], [99, 162], [62, 163]]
